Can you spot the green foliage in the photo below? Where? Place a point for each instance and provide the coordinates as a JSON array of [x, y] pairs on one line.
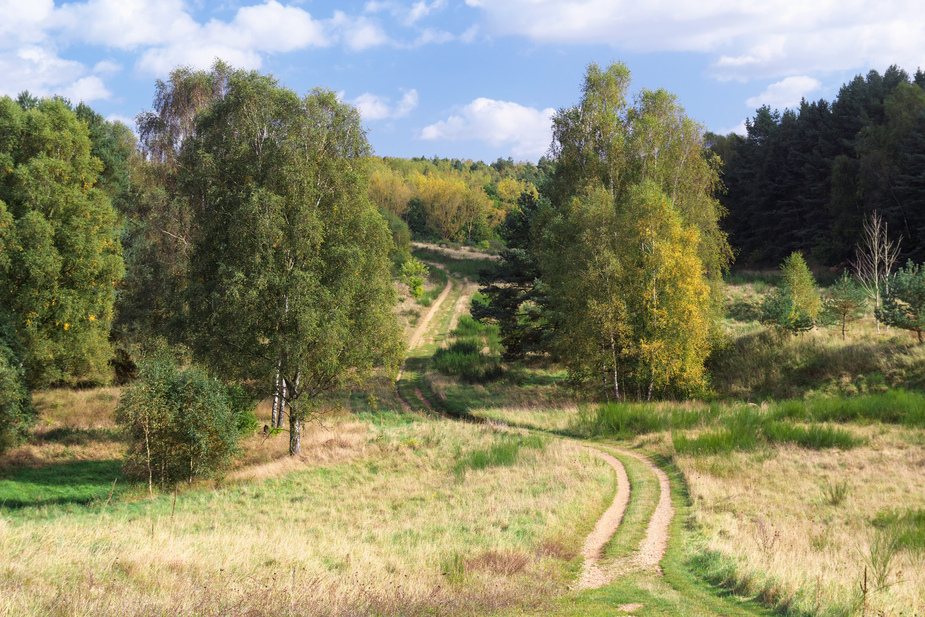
[[904, 300], [180, 423], [805, 179], [631, 241], [401, 237], [846, 302], [413, 274], [795, 306], [289, 268], [60, 256], [512, 299], [17, 415]]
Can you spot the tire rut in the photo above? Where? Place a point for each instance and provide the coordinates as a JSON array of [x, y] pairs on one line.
[[416, 339], [651, 550]]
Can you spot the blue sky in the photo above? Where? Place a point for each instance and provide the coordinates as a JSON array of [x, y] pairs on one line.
[[462, 78]]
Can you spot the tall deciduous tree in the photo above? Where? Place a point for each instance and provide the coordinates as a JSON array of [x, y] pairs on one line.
[[159, 232], [60, 256], [633, 210], [290, 274]]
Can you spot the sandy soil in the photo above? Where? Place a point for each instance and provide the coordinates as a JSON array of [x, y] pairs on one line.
[[419, 333], [651, 550], [592, 574]]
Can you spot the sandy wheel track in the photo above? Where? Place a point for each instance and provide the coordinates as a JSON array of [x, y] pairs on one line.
[[416, 339], [653, 546], [593, 575]]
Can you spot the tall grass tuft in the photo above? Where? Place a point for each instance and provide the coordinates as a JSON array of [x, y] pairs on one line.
[[504, 452]]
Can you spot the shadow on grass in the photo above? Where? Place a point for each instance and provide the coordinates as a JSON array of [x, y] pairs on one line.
[[79, 483], [79, 436]]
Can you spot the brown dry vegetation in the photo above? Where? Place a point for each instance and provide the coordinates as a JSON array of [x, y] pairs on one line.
[[372, 520], [74, 425], [772, 515]]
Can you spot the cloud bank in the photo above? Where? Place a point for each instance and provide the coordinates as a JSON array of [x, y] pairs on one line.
[[774, 38], [498, 123]]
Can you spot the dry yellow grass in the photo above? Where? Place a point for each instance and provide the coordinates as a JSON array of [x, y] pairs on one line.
[[73, 425], [371, 520], [768, 513]]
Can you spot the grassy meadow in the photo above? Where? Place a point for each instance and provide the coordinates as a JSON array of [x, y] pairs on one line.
[[797, 485], [385, 514]]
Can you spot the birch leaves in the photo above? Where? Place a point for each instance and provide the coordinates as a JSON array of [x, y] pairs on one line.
[[631, 240]]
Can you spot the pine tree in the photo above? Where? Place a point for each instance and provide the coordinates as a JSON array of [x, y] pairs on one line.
[[796, 305], [846, 302], [904, 300]]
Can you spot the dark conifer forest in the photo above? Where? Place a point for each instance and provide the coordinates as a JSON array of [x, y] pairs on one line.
[[805, 179]]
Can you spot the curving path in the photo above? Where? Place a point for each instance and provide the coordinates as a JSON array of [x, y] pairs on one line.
[[592, 574], [653, 546]]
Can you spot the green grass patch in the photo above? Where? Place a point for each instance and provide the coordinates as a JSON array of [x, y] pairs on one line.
[[463, 267], [464, 358], [748, 428], [504, 452], [80, 483], [906, 527]]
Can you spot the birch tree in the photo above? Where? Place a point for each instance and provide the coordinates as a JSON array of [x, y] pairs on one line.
[[874, 259], [290, 279], [631, 249]]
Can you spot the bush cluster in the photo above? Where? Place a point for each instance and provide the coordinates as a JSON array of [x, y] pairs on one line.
[[181, 423], [464, 358]]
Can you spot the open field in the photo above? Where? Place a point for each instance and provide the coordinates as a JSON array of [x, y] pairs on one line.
[[386, 514], [777, 504]]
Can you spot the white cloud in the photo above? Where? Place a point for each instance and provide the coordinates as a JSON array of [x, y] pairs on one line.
[[125, 24], [407, 16], [23, 22], [87, 89], [786, 93], [107, 67], [374, 107], [129, 122], [38, 70], [738, 129], [773, 38], [497, 123]]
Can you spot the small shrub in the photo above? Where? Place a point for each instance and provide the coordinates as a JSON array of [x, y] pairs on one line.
[[181, 423], [413, 274], [464, 359]]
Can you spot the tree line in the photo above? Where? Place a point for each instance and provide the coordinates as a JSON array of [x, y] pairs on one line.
[[806, 179], [249, 238], [236, 235]]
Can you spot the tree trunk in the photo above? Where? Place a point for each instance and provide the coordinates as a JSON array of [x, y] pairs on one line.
[[613, 354], [295, 432]]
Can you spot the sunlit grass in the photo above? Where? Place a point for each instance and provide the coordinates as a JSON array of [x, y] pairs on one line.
[[364, 523], [771, 526]]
